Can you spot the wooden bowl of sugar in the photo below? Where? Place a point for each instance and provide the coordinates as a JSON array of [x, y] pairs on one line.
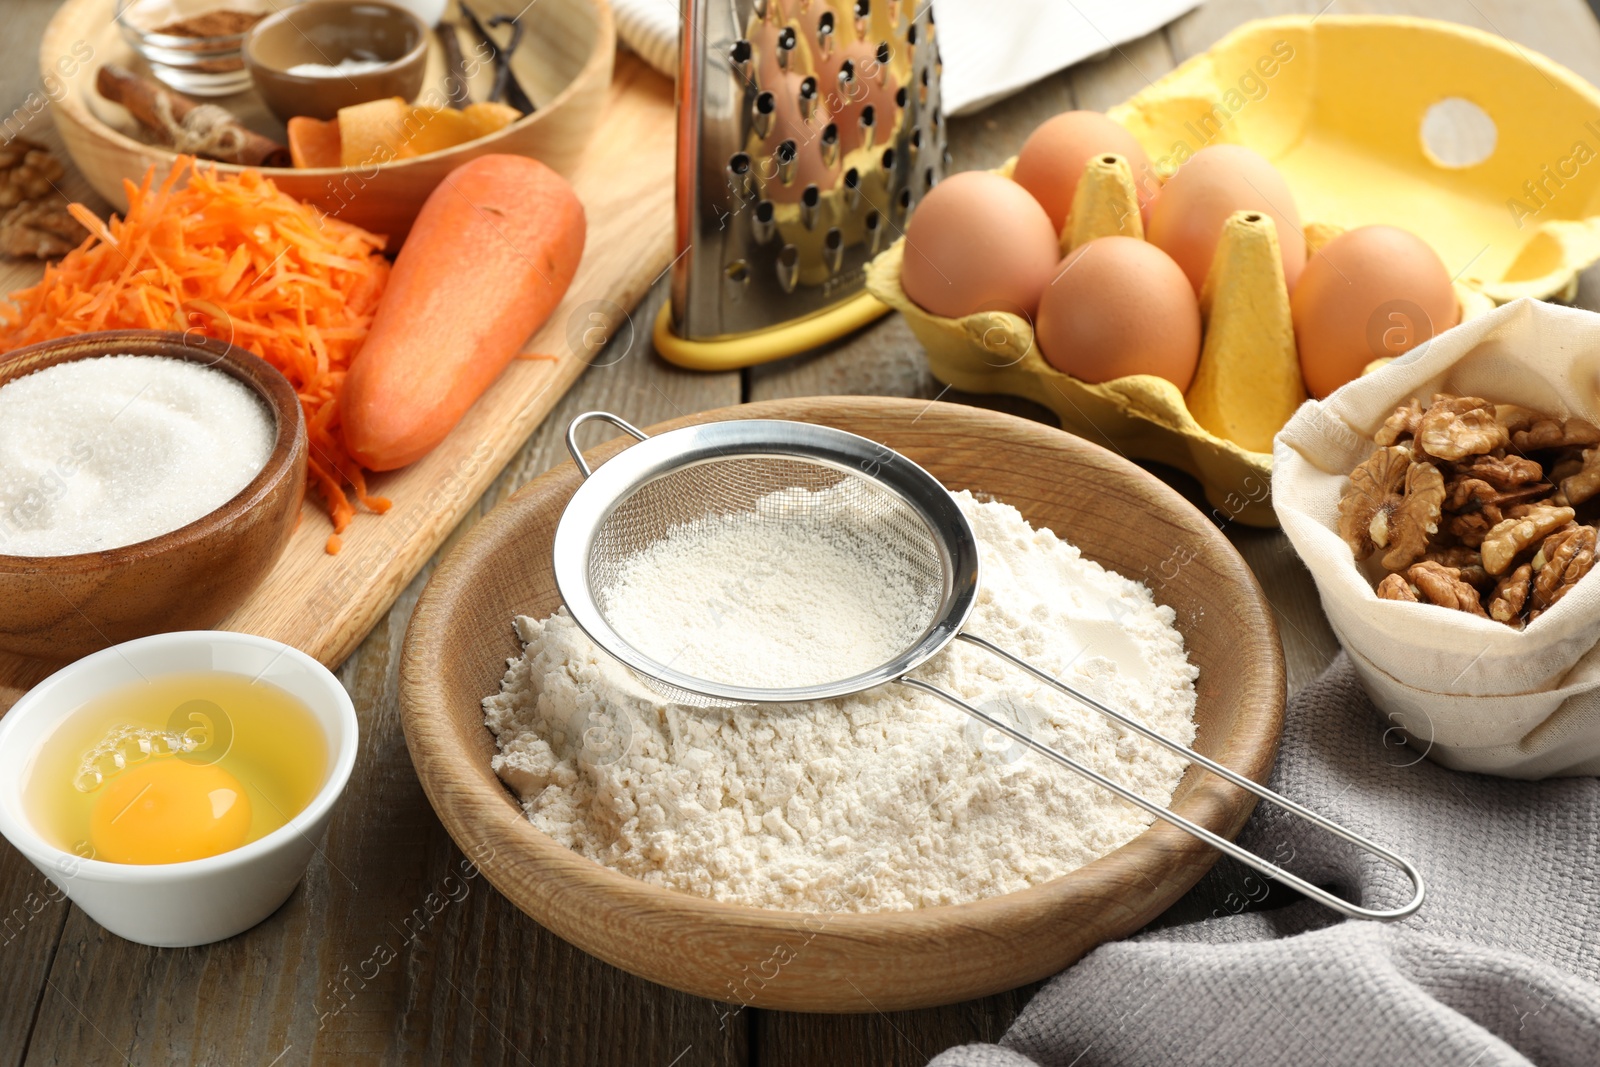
[[1119, 516], [116, 451]]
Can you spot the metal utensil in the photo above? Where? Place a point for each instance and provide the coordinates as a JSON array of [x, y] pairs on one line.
[[725, 468], [807, 132]]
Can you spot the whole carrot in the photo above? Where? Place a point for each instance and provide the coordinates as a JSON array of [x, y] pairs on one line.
[[490, 256]]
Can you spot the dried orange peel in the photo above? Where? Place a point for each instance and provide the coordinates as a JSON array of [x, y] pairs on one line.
[[382, 131]]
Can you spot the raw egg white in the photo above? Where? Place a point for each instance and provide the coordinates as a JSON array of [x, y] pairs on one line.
[[1371, 293], [1120, 306], [1188, 214], [978, 242], [1053, 157]]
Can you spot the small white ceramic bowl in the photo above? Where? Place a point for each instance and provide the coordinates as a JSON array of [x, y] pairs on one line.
[[173, 905]]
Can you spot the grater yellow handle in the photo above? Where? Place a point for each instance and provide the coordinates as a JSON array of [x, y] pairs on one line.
[[764, 346]]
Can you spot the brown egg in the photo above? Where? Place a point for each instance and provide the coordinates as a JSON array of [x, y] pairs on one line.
[[1053, 157], [872, 85], [788, 124], [764, 42], [1120, 306], [1370, 293], [1187, 216], [978, 242]]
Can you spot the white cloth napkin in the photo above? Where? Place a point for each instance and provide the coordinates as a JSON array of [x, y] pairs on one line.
[[990, 48], [1498, 969], [650, 28]]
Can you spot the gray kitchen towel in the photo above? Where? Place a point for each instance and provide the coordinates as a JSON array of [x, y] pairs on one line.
[[1501, 966]]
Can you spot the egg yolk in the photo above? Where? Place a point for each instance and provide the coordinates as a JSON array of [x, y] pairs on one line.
[[168, 811]]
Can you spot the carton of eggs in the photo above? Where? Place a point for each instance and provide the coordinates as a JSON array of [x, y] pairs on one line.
[[1182, 321]]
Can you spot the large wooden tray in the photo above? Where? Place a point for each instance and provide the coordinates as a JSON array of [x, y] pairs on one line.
[[324, 605]]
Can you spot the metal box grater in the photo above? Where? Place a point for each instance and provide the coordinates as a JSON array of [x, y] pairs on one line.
[[807, 132]]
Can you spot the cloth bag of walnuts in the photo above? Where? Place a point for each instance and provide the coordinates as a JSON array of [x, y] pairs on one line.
[[1469, 692]]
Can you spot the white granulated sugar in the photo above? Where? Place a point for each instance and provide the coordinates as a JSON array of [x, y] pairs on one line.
[[105, 452], [780, 597], [886, 800], [347, 66]]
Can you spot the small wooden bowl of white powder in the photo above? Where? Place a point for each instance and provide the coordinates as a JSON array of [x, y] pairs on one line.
[[873, 852], [148, 482]]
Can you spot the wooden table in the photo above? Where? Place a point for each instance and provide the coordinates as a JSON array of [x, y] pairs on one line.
[[381, 956]]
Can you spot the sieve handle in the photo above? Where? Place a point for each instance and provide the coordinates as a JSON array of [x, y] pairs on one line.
[[605, 416], [1243, 855]]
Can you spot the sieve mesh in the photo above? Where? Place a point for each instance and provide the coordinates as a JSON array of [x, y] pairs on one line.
[[777, 495]]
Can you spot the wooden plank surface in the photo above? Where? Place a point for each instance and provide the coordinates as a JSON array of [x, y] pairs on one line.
[[480, 983], [325, 604]]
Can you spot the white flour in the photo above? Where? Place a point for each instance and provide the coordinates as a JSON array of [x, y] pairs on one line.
[[789, 596], [887, 800]]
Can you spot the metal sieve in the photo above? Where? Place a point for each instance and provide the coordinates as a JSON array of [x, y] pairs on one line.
[[727, 469]]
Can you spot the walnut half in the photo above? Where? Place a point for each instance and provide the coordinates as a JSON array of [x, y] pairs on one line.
[[1512, 536], [1505, 473], [1400, 425], [1547, 432], [27, 172], [1395, 587], [1584, 483], [1511, 595], [1460, 426], [1391, 503], [34, 221], [1465, 559], [1565, 557], [1443, 586], [39, 228]]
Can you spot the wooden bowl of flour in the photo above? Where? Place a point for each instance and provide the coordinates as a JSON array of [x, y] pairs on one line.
[[1119, 515]]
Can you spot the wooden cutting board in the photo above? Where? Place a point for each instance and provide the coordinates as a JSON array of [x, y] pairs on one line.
[[324, 605]]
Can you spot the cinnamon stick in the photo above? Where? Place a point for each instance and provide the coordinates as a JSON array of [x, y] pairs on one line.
[[187, 125]]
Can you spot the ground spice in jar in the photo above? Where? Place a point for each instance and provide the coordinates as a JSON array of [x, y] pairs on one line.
[[218, 22]]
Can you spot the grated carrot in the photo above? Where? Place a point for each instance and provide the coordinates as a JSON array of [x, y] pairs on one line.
[[234, 258]]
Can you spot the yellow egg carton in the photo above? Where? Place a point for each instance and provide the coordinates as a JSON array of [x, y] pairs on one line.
[[1357, 149], [1480, 147]]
